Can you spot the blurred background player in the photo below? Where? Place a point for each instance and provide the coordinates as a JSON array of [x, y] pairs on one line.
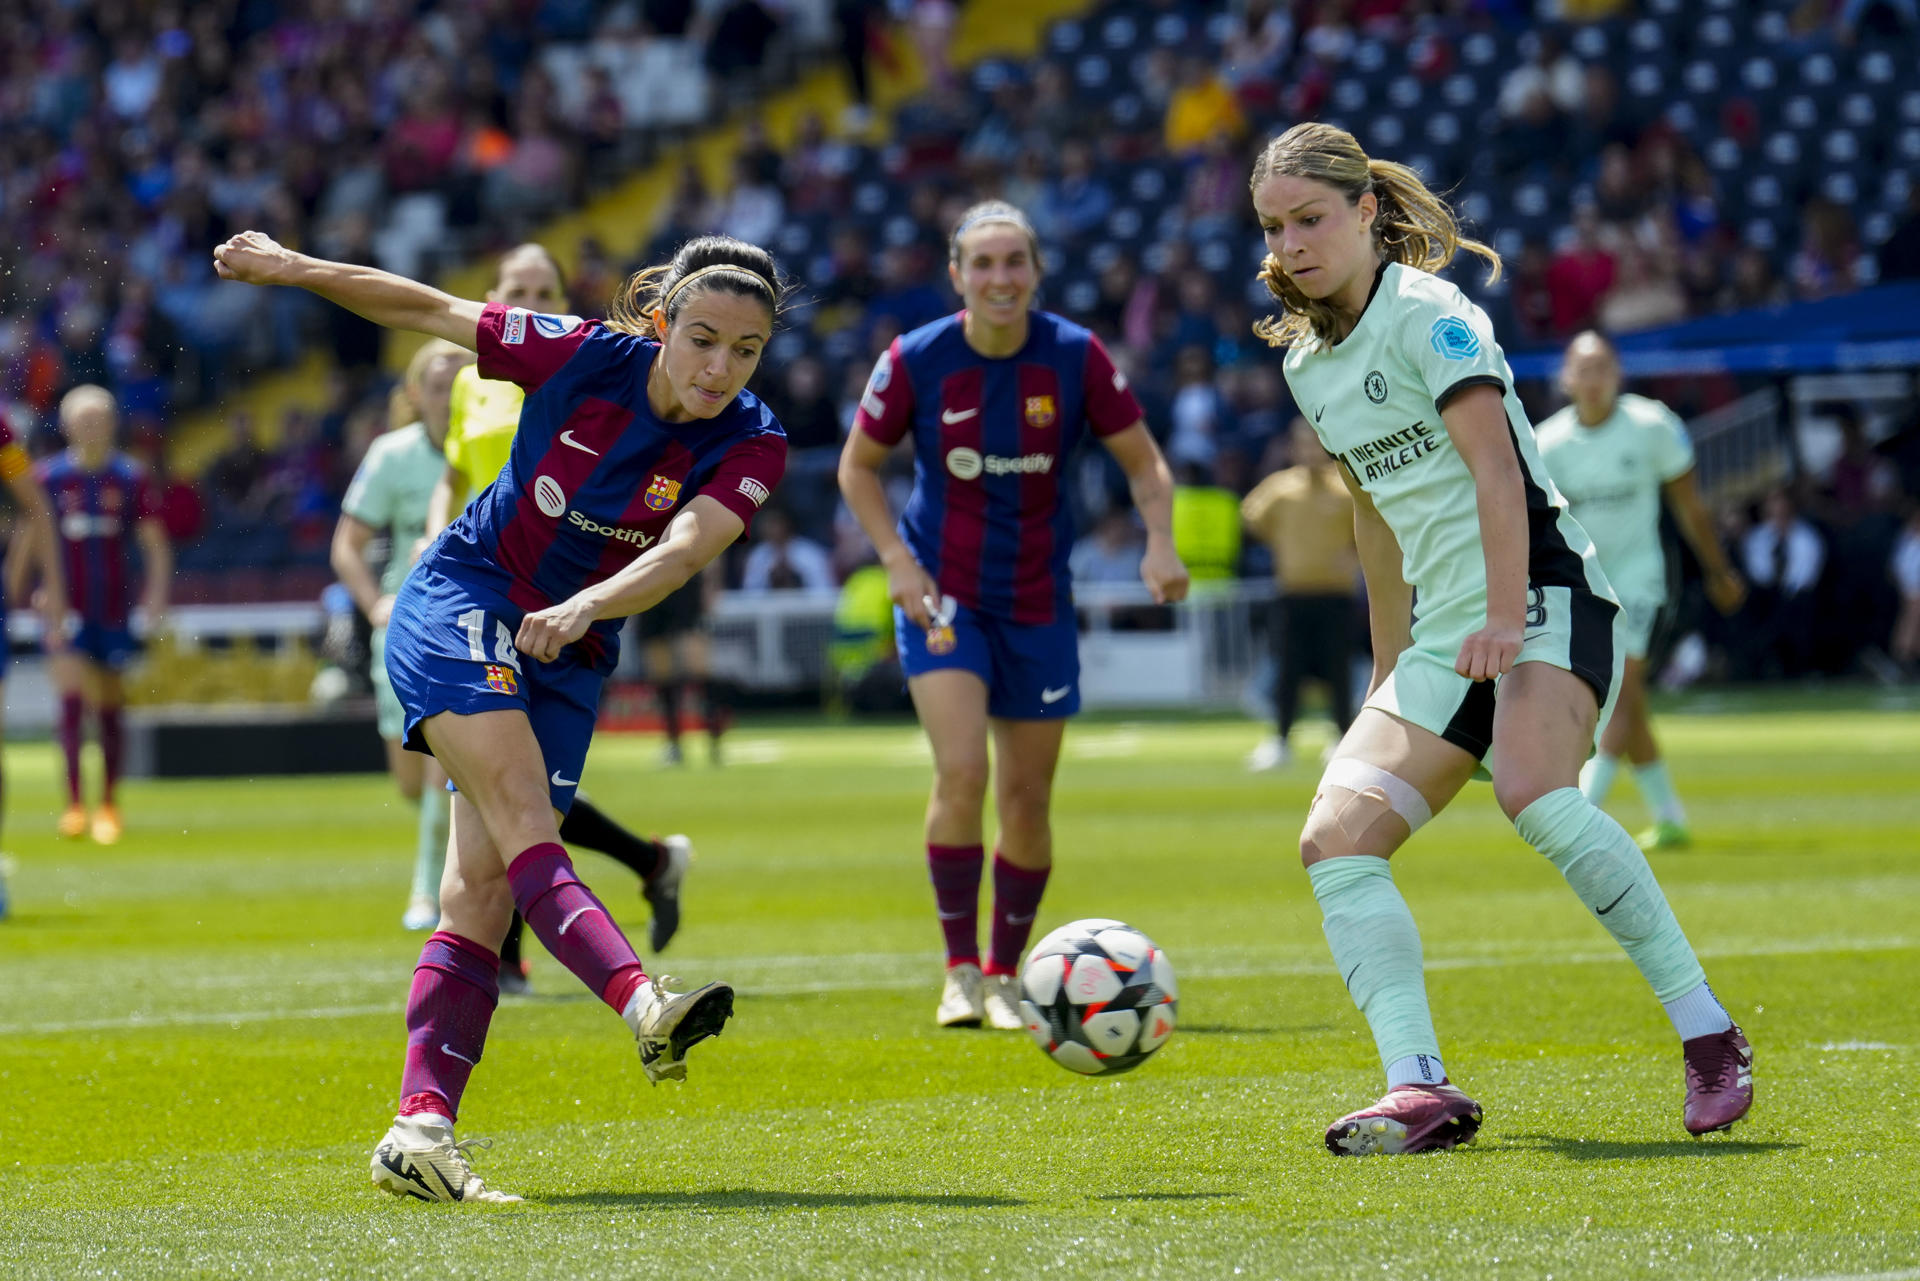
[[1305, 515], [98, 494], [674, 643], [1512, 654], [482, 416], [1615, 456], [388, 498], [501, 636], [33, 547], [995, 399]]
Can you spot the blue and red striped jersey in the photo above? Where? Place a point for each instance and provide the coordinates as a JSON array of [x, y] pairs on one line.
[[988, 517], [95, 512], [595, 477]]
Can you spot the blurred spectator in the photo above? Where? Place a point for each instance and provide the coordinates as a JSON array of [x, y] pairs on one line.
[[1077, 201], [1202, 105], [1199, 411], [1904, 568], [1640, 297], [740, 38], [782, 560], [1580, 274], [1829, 259], [1111, 552], [1255, 53], [1784, 557], [235, 474]]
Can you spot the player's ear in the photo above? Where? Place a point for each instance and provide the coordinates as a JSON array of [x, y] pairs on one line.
[[660, 323], [953, 275]]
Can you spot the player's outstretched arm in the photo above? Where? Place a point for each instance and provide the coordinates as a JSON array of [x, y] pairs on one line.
[[1476, 421], [1724, 586], [41, 547], [909, 585], [697, 535], [391, 301], [1151, 484], [348, 556], [1389, 599]]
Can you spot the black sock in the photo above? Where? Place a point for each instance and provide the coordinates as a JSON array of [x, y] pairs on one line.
[[719, 703], [510, 945], [668, 692], [588, 828]]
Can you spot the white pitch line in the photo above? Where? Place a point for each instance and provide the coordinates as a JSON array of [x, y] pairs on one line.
[[1904, 1274], [907, 982]]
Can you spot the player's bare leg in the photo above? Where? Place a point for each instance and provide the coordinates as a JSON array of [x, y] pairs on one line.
[[952, 705], [664, 673], [69, 674], [1543, 720], [1026, 754], [1385, 778], [109, 701], [1629, 737]]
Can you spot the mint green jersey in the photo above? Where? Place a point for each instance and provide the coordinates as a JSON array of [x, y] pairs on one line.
[[1611, 475], [1375, 399], [391, 490]]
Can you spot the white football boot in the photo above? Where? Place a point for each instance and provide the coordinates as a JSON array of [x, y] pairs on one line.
[[423, 913], [1002, 1003], [962, 1002], [667, 1024], [419, 1158]]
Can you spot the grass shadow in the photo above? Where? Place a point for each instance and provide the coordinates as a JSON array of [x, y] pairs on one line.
[[1610, 1150], [769, 1199], [1237, 1029]]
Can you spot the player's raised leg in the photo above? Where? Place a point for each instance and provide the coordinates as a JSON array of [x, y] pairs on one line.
[[952, 706], [1542, 724], [1026, 753], [499, 767], [1386, 778], [661, 865]]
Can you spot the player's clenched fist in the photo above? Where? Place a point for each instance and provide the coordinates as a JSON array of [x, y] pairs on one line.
[[1489, 653], [545, 632], [253, 258], [1164, 573]]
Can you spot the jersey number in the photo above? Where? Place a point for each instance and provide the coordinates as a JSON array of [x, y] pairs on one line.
[[475, 621]]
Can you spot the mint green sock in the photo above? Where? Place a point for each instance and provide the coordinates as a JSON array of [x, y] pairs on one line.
[[1596, 777], [1377, 949], [1610, 874], [430, 849], [1656, 789]]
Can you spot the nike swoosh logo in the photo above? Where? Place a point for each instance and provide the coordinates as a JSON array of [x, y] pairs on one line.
[[557, 781], [1350, 973], [1317, 413], [950, 417], [566, 438], [1531, 637], [450, 1052], [1055, 695], [577, 913], [1602, 911]]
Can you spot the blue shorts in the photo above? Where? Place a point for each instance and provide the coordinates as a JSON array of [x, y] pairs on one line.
[[1032, 671], [111, 647], [450, 649]]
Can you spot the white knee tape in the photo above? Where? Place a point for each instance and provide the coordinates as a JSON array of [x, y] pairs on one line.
[[1357, 776]]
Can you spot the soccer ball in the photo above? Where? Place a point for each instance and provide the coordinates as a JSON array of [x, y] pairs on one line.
[[1098, 997]]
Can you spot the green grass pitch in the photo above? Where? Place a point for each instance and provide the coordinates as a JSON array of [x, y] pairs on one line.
[[201, 1034]]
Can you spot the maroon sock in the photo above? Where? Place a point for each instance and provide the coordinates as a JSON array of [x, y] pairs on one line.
[[1016, 899], [110, 749], [70, 732], [574, 925], [956, 897], [455, 987]]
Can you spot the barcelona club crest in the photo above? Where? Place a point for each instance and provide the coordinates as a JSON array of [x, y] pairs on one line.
[[1040, 411], [662, 493], [500, 679]]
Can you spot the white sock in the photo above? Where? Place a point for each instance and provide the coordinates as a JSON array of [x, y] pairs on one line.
[[1416, 1069], [1656, 789], [1596, 776], [1698, 1013]]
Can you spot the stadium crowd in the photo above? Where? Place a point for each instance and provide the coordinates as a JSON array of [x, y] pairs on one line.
[[419, 134]]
